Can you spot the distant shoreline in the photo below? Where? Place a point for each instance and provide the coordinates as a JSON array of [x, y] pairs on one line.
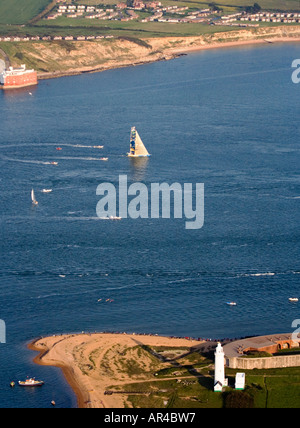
[[170, 54]]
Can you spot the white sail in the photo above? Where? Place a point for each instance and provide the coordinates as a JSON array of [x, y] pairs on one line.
[[34, 201], [137, 147]]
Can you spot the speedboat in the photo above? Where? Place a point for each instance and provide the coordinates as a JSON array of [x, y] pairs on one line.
[[104, 159], [58, 148], [293, 299], [46, 190], [54, 163], [98, 147], [115, 218], [231, 303], [31, 382]]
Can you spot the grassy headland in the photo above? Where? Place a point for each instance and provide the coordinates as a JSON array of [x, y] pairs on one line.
[[56, 58], [140, 371]]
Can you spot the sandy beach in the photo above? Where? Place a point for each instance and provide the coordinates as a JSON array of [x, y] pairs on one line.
[[91, 363]]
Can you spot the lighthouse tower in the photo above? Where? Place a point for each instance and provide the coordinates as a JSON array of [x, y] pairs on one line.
[[219, 368]]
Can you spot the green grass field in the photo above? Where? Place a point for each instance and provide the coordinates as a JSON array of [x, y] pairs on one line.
[[187, 381], [267, 389], [130, 28], [20, 11]]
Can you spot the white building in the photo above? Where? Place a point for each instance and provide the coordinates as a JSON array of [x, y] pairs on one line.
[[240, 381], [220, 380]]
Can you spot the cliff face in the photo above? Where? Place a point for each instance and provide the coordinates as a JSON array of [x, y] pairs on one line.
[[234, 37], [52, 59], [64, 57]]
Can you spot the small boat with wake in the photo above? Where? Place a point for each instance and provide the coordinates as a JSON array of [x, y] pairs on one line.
[[30, 382], [34, 201]]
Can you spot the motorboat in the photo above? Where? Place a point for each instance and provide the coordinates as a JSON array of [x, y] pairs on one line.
[[31, 382]]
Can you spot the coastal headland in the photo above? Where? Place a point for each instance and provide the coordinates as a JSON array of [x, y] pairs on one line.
[[63, 58], [94, 364], [120, 370]]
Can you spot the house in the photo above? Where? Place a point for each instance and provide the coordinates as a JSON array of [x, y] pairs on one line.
[[139, 5], [153, 4], [240, 381], [121, 6]]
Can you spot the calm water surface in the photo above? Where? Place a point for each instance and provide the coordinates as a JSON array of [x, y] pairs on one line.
[[228, 119]]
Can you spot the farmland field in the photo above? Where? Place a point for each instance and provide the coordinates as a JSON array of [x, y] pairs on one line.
[[20, 11]]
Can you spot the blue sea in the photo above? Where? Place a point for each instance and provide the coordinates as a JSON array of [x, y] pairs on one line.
[[227, 118]]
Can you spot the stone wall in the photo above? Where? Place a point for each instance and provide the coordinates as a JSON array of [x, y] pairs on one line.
[[263, 363]]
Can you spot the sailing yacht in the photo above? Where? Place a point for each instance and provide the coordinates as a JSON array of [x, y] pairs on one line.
[[34, 201], [137, 148]]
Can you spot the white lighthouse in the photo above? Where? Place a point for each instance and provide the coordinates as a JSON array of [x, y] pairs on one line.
[[219, 369]]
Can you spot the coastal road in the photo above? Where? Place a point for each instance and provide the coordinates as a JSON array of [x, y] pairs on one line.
[[5, 57]]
